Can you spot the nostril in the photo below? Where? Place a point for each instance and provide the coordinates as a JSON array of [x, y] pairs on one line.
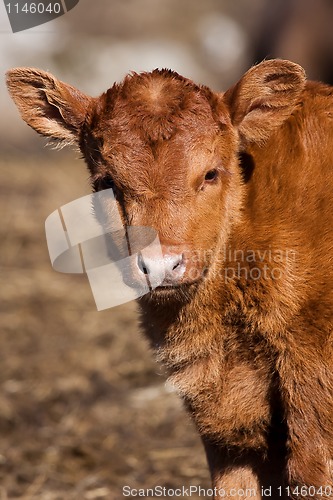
[[178, 262], [142, 266], [175, 266]]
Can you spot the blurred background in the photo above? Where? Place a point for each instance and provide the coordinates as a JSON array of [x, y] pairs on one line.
[[84, 409]]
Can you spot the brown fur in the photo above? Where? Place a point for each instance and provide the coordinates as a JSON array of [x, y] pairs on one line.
[[246, 332]]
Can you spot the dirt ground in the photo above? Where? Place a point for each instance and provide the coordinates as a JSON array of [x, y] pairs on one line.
[[84, 410]]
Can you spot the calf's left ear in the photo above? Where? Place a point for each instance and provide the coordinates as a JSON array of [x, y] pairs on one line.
[[264, 98]]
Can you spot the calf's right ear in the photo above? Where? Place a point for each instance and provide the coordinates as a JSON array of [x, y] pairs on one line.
[[51, 107], [264, 98]]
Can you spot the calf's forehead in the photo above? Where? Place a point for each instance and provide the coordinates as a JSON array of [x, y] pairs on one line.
[[188, 153], [156, 126]]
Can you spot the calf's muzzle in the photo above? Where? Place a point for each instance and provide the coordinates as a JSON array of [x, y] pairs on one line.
[[171, 266]]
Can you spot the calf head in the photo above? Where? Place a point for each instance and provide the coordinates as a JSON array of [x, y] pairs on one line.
[[168, 148]]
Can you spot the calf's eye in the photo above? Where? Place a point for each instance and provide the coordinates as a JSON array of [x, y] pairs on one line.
[[211, 175]]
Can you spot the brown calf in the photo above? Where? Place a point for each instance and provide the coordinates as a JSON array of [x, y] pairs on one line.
[[239, 186]]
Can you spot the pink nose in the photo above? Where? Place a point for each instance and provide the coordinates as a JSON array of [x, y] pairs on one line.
[[168, 270]]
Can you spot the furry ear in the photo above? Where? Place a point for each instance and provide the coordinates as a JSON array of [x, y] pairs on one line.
[[264, 98], [51, 107]]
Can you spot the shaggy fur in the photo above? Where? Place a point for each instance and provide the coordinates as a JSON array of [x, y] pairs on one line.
[[240, 184]]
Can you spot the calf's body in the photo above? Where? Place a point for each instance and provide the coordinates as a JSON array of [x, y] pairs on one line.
[[239, 187]]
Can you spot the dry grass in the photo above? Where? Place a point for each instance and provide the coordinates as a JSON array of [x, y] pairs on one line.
[[83, 408]]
